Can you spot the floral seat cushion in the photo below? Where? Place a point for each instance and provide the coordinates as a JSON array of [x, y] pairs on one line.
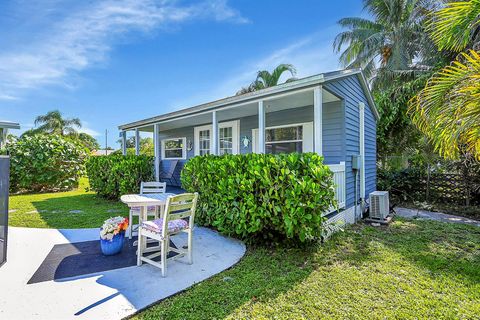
[[137, 209], [157, 225]]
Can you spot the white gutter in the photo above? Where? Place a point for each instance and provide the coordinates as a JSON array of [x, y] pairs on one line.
[[9, 125]]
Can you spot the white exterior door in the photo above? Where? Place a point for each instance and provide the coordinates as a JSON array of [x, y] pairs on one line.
[[228, 138]]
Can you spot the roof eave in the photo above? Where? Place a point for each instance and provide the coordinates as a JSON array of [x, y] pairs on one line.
[[9, 125], [284, 87], [302, 83]]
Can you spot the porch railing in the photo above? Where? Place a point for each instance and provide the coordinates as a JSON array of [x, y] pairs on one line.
[[340, 184]]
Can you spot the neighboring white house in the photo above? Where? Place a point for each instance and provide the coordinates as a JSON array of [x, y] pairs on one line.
[[4, 126], [102, 152]]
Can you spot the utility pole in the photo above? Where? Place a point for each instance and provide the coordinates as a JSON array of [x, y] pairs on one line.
[[106, 142]]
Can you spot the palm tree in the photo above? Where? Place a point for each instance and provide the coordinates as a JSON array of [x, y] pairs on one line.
[[266, 79], [53, 122], [390, 43], [447, 109]]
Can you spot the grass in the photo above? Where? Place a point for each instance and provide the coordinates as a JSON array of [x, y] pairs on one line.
[[72, 209], [409, 270]]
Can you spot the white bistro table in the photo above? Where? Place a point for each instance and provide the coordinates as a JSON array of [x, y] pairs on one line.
[[143, 201]]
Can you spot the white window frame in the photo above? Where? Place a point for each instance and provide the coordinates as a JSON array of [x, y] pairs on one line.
[[184, 149], [235, 124], [307, 136]]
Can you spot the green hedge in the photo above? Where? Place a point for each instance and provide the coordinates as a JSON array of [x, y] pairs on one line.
[[257, 196], [45, 163], [114, 175]]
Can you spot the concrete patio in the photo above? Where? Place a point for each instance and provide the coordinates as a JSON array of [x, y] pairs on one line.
[[112, 294]]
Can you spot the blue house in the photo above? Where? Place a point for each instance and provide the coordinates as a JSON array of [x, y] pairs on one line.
[[332, 114]]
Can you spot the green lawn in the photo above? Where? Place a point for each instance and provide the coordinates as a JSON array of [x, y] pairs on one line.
[[54, 210], [411, 269]]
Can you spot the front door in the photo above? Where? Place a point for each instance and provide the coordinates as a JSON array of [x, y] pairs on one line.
[[228, 139]]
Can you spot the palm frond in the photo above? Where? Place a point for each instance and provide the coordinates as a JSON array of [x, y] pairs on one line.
[[447, 109], [452, 27], [73, 122], [279, 70]]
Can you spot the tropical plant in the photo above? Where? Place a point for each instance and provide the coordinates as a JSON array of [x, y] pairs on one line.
[[457, 26], [146, 146], [394, 123], [387, 45], [53, 122], [260, 196], [45, 162], [447, 109], [266, 79], [88, 141]]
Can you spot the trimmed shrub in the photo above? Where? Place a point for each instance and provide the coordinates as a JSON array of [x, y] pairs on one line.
[[257, 196], [114, 175], [45, 163]]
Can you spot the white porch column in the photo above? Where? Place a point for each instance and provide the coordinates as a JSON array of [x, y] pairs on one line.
[[361, 106], [317, 120], [214, 133], [156, 150], [261, 127], [124, 142], [137, 142]]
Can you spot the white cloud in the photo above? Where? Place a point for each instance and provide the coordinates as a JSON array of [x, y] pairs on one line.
[[89, 131], [83, 37]]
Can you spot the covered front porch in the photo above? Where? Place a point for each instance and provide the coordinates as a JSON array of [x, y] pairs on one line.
[[299, 120]]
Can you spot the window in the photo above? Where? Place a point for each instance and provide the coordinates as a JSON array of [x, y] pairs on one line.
[[296, 137], [174, 148], [204, 142], [284, 140], [226, 140]]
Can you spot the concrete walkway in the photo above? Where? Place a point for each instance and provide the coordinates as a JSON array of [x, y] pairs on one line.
[[113, 294], [437, 216]]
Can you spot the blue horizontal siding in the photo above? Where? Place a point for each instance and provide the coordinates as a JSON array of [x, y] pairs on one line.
[[352, 92]]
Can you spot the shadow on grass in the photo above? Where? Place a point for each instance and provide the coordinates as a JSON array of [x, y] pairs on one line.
[[263, 274], [78, 211], [440, 248], [432, 248]]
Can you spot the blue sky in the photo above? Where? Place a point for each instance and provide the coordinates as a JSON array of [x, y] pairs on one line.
[[110, 62]]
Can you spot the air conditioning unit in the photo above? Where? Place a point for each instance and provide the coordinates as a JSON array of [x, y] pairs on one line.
[[379, 205]]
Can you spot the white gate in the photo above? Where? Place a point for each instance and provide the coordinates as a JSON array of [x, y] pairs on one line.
[[340, 184]]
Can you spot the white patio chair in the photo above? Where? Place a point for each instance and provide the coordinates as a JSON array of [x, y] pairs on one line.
[[152, 211], [172, 222]]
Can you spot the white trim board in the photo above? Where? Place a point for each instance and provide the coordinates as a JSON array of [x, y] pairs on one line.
[[361, 106]]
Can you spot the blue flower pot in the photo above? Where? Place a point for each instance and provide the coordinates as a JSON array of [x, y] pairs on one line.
[[114, 246]]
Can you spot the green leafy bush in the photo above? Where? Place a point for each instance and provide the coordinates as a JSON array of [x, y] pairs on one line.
[[255, 196], [114, 175], [45, 162]]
